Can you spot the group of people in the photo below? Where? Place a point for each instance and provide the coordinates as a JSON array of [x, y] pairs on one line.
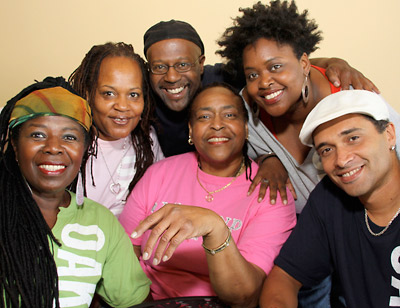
[[93, 214]]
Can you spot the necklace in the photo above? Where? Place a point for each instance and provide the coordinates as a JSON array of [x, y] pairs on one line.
[[384, 230], [209, 197], [115, 186]]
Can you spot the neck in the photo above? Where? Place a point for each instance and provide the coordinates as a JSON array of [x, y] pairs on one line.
[[222, 169], [384, 200]]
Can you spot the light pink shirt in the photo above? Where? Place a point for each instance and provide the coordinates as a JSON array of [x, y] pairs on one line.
[[259, 229]]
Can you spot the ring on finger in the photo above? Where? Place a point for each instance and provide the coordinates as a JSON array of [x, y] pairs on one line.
[[266, 181]]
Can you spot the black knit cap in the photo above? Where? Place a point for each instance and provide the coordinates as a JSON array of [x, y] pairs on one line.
[[165, 30]]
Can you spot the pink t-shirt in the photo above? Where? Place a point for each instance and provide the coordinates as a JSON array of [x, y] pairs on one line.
[[258, 229]]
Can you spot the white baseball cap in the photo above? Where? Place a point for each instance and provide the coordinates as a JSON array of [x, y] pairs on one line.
[[340, 104]]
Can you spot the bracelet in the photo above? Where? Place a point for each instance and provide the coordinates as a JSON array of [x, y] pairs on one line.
[[266, 156], [221, 247]]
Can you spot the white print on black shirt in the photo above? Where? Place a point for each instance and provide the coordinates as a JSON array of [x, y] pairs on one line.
[[73, 236], [395, 300]]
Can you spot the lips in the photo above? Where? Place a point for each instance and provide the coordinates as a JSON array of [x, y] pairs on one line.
[[52, 168], [272, 97], [120, 120]]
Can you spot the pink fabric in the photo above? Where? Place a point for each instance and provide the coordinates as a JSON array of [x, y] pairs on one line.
[[259, 229]]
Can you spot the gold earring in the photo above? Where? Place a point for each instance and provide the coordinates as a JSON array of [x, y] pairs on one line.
[[190, 141]]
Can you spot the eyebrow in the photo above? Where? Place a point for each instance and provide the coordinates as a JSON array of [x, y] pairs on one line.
[[223, 108], [108, 86], [48, 127], [265, 63], [343, 133]]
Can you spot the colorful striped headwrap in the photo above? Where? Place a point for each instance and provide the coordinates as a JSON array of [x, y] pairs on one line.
[[55, 101]]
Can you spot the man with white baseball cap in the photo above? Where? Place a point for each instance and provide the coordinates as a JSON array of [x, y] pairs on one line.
[[350, 224]]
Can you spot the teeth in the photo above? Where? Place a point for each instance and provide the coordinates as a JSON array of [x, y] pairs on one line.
[[175, 91], [273, 95], [350, 173], [120, 120], [52, 167], [217, 139]]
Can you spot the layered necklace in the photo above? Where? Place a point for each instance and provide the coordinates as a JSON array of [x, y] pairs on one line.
[[384, 229], [115, 186], [209, 197]]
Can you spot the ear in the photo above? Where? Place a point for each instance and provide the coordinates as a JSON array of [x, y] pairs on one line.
[[190, 129], [202, 59], [305, 63], [15, 148], [391, 134]]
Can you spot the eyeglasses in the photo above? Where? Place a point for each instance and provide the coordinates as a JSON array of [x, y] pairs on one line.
[[180, 67]]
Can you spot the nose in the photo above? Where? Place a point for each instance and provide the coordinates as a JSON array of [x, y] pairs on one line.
[[172, 75], [53, 146], [343, 157], [121, 103], [217, 123], [266, 80]]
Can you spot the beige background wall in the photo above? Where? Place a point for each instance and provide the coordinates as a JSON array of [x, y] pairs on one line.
[[50, 37]]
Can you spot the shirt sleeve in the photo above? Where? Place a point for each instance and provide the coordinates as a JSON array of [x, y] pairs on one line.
[[123, 281], [306, 255], [266, 231]]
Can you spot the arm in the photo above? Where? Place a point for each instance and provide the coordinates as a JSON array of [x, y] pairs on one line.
[[279, 290], [235, 280], [272, 174], [341, 74]]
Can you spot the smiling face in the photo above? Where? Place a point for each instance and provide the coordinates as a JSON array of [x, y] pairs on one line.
[[354, 154], [218, 128], [175, 89], [274, 75], [118, 101], [49, 151]]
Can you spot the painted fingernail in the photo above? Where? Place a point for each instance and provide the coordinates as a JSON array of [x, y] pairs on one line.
[[155, 261], [259, 200], [272, 201], [134, 234], [145, 256], [285, 202], [165, 258]]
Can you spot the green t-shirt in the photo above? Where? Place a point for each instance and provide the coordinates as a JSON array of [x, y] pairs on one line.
[[96, 256]]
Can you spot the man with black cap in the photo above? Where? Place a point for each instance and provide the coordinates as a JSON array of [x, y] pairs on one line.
[[350, 224], [175, 53]]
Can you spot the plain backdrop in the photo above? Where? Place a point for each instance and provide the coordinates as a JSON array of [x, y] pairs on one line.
[[50, 37]]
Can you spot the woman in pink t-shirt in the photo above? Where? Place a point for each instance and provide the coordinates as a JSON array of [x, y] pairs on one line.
[[203, 195]]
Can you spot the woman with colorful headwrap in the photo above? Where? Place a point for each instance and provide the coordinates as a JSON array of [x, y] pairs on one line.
[[56, 248]]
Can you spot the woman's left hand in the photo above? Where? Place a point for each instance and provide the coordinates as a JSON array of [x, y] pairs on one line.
[[174, 223]]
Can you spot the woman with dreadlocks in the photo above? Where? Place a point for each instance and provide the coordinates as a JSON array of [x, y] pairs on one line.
[[114, 80], [202, 195], [56, 248]]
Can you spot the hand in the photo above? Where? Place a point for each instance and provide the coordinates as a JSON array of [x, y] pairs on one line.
[[341, 74], [172, 224], [271, 173]]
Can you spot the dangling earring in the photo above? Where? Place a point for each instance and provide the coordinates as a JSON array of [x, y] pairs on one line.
[[255, 109], [79, 190], [190, 141], [304, 90]]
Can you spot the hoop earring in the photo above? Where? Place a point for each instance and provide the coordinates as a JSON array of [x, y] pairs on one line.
[[304, 90], [190, 141]]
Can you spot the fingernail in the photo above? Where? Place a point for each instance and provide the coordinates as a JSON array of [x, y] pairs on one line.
[[145, 256], [285, 202], [165, 258], [155, 261], [336, 84], [134, 234], [259, 200], [272, 201]]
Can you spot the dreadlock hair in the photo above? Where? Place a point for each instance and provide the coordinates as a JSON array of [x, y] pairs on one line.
[[279, 21], [28, 273], [242, 109], [85, 79]]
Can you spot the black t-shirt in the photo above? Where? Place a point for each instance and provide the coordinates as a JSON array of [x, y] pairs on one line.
[[331, 235]]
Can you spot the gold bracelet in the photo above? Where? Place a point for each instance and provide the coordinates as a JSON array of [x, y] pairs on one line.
[[221, 247]]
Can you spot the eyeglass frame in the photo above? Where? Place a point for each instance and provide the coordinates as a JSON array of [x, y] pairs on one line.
[[190, 64]]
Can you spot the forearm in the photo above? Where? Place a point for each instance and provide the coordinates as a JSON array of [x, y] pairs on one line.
[[280, 290], [324, 62], [235, 281]]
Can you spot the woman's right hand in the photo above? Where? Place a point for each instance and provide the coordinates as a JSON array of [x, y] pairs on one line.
[[271, 173], [174, 223]]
